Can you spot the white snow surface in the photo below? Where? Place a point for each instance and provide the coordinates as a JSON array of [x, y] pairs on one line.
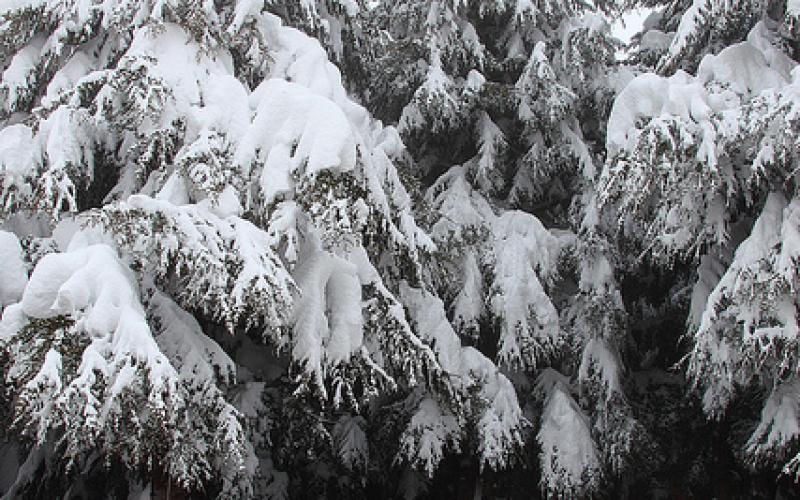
[[295, 127], [328, 328], [172, 376], [13, 271], [568, 455]]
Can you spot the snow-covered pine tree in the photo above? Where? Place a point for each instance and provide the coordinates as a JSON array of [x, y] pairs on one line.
[[702, 169], [179, 177], [497, 86], [502, 106]]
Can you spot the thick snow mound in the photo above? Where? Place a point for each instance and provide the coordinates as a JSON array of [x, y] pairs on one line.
[[569, 459], [328, 328], [294, 133], [91, 281]]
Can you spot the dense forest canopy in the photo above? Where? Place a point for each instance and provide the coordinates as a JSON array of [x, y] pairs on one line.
[[399, 249]]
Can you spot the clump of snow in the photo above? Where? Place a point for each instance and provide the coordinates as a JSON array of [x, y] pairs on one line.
[[94, 288], [17, 75], [523, 255], [294, 128], [229, 259], [667, 135], [12, 269], [434, 104], [198, 358], [328, 328], [656, 40], [570, 461], [461, 207], [65, 78], [599, 358], [16, 156]]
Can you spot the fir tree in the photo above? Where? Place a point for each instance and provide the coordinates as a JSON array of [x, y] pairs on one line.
[[702, 171], [501, 104], [206, 182]]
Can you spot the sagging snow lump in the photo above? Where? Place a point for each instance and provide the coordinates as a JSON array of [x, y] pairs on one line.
[[12, 269], [294, 133], [328, 327]]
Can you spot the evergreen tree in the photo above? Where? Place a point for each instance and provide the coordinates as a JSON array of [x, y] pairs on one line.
[[502, 107], [201, 184], [702, 170], [680, 32], [221, 276]]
